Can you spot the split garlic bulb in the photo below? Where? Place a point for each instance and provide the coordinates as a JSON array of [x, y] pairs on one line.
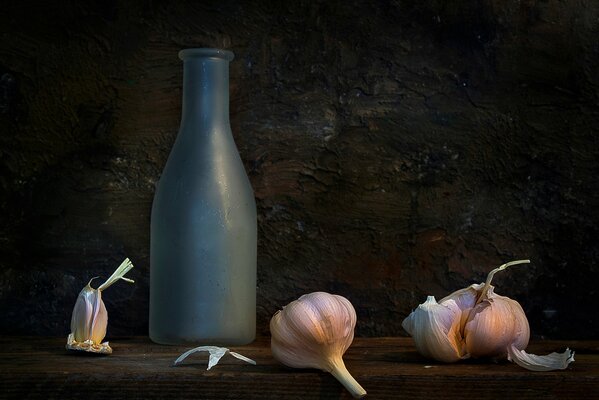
[[314, 331], [477, 322], [90, 318]]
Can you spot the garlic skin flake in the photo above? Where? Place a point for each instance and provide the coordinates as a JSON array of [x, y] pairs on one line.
[[314, 331], [477, 322], [216, 353], [533, 362], [90, 318]]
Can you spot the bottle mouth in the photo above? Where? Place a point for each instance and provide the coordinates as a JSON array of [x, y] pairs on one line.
[[206, 52]]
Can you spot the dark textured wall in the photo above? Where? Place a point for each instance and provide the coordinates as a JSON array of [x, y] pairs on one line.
[[396, 149]]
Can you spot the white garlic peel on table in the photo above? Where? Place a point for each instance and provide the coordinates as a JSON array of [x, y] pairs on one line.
[[215, 354], [90, 318], [477, 322], [314, 331]]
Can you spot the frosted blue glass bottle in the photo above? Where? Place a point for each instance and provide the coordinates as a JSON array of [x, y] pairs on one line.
[[203, 226]]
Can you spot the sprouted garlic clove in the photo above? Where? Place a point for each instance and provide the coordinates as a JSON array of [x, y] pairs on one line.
[[90, 318], [216, 353]]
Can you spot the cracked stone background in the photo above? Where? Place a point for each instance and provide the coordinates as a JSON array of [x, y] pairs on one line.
[[396, 149]]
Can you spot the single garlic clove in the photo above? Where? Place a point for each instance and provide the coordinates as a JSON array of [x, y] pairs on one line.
[[82, 314], [90, 318], [493, 325], [99, 321], [533, 362], [521, 333], [436, 330], [495, 322], [89, 322]]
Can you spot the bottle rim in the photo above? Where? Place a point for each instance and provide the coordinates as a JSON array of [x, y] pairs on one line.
[[206, 52]]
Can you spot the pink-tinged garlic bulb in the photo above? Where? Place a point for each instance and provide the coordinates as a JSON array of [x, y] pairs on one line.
[[477, 322], [90, 318], [314, 331]]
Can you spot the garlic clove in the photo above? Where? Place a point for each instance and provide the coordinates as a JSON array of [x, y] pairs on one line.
[[493, 325], [495, 322], [99, 320], [521, 328], [82, 312], [436, 330], [533, 362], [89, 319]]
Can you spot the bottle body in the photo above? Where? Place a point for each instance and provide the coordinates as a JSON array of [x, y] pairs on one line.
[[203, 224]]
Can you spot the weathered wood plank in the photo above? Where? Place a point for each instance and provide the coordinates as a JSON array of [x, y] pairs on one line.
[[386, 367]]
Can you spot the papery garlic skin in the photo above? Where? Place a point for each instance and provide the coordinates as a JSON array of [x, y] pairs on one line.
[[465, 299], [216, 353], [436, 330], [314, 331], [533, 362]]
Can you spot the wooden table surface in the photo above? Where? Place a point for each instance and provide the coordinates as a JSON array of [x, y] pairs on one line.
[[33, 367]]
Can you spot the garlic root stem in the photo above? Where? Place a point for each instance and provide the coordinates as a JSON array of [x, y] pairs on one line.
[[483, 292], [340, 372]]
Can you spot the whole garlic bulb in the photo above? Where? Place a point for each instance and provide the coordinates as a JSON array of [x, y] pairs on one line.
[[477, 322], [314, 331], [90, 318]]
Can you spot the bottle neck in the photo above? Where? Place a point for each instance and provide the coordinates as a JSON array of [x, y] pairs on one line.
[[205, 91]]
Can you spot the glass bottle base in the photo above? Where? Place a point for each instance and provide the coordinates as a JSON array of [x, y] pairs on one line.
[[199, 341]]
